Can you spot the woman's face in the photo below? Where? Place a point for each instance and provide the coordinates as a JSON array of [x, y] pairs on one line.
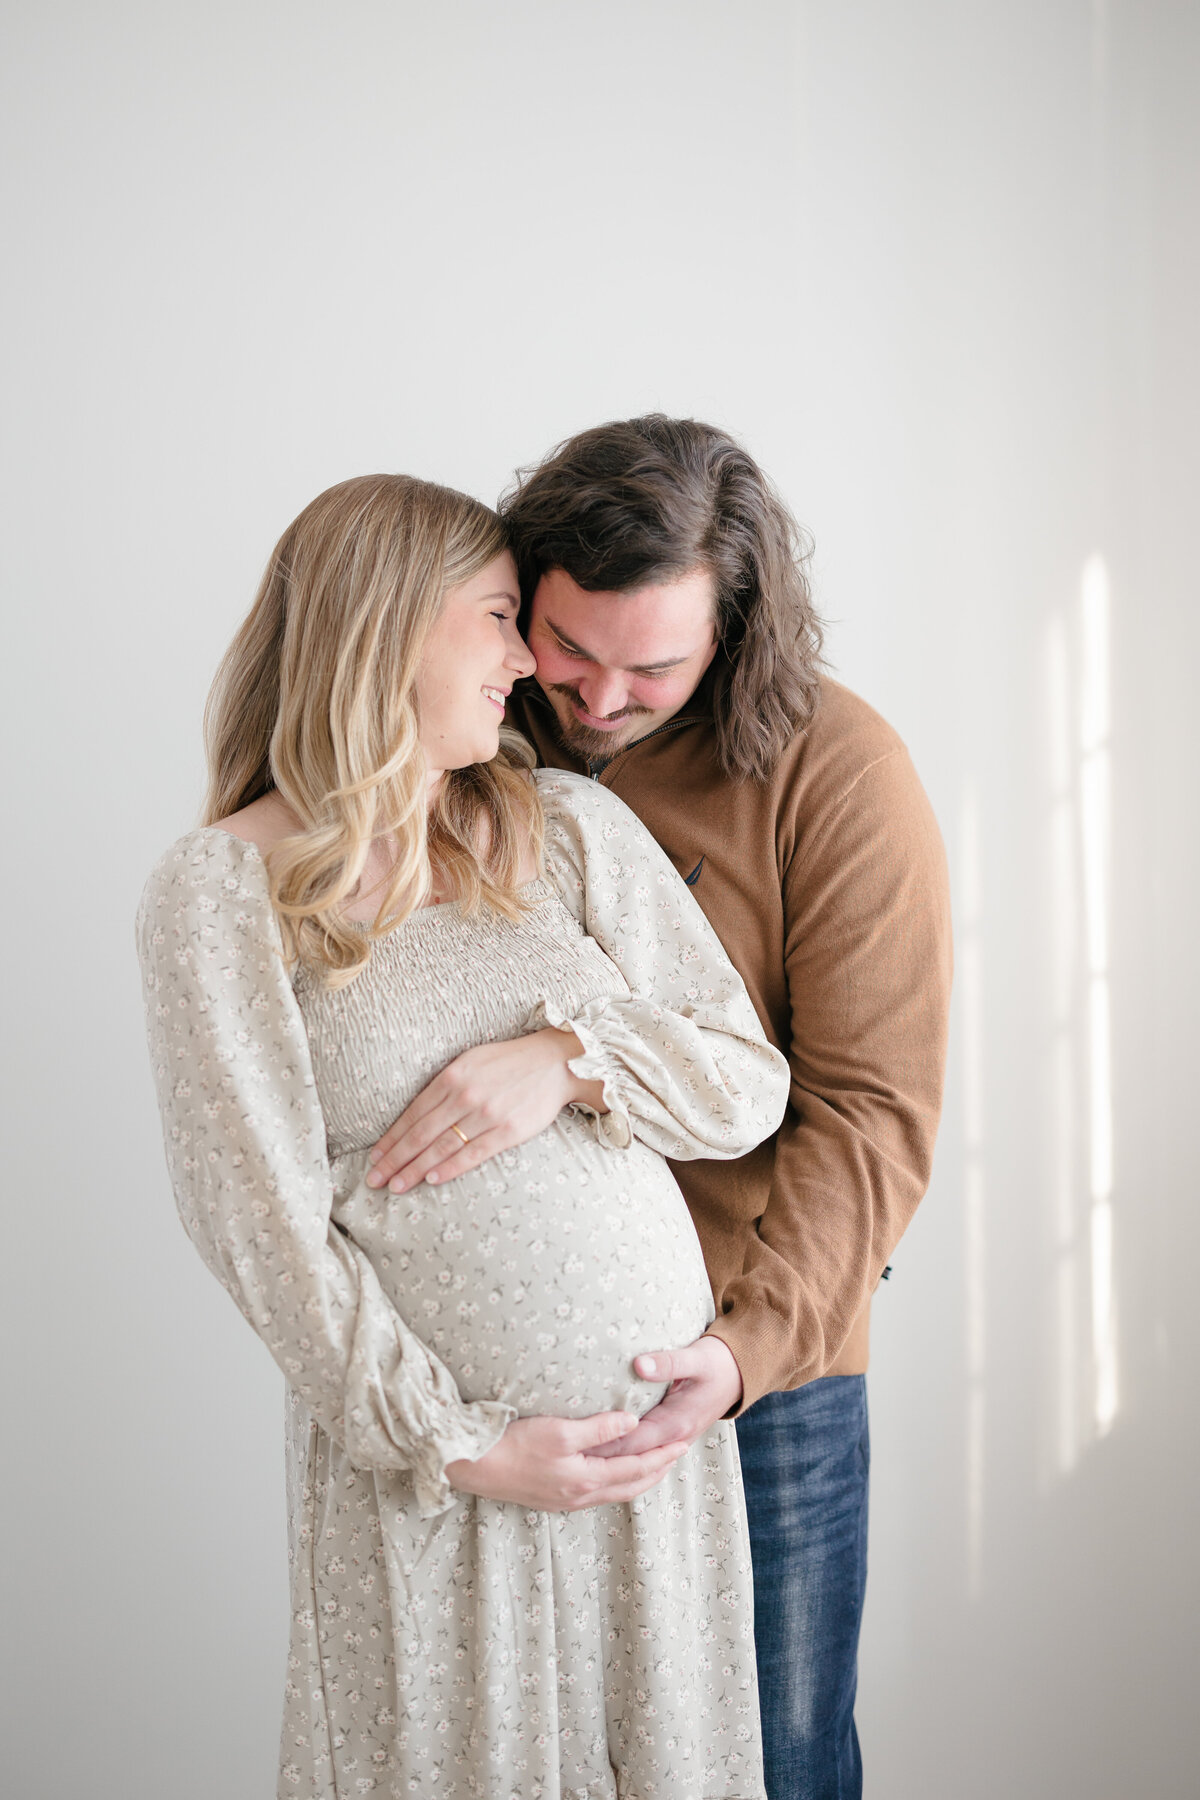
[[473, 656]]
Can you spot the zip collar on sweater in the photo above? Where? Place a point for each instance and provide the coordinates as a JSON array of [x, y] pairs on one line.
[[595, 770]]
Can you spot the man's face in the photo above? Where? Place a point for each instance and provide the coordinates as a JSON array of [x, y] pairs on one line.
[[616, 666]]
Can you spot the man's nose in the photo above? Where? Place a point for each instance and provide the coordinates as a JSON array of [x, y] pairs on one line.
[[604, 693]]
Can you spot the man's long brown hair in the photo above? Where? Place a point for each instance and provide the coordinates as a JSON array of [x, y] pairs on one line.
[[645, 500]]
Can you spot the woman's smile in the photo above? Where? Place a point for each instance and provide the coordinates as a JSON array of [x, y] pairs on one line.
[[475, 630]]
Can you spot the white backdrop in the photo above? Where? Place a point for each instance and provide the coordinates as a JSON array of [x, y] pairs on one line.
[[937, 265]]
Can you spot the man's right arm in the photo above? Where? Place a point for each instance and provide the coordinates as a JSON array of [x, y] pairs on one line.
[[868, 959]]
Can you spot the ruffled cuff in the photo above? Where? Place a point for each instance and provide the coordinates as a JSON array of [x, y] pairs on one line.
[[613, 1128], [475, 1431]]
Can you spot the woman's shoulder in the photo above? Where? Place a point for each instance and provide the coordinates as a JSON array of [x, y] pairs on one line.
[[264, 823], [204, 872], [228, 852]]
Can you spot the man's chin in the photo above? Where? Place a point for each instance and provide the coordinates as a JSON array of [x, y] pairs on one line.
[[589, 744]]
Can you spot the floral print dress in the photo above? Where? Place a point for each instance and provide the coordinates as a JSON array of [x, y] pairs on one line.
[[442, 1644]]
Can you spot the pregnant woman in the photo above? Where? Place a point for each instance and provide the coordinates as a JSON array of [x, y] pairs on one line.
[[384, 891]]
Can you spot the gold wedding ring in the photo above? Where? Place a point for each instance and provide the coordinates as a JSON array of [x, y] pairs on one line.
[[462, 1134]]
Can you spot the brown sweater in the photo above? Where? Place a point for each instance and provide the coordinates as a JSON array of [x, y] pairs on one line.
[[827, 886]]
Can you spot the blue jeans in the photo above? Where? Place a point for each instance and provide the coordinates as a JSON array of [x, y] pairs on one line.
[[805, 1462]]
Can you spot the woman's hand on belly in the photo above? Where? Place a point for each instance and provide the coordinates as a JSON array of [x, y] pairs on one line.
[[489, 1099], [544, 1463]]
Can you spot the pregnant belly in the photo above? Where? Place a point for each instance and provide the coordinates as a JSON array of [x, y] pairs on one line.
[[539, 1276]]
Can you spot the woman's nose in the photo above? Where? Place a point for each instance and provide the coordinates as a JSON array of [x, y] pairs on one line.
[[520, 658]]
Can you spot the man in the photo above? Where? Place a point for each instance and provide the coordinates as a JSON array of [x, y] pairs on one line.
[[678, 663]]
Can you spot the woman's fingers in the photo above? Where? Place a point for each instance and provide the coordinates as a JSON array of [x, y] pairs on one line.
[[540, 1462], [515, 1088], [578, 1435], [430, 1137], [428, 1100], [663, 1424], [425, 1130], [417, 1125], [448, 1156], [619, 1478], [603, 1481]]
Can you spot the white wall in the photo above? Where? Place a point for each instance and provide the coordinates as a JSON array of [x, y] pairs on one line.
[[938, 265]]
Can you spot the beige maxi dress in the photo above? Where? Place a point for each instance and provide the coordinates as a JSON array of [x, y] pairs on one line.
[[443, 1645]]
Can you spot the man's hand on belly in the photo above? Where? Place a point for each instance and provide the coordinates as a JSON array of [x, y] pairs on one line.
[[542, 1463], [705, 1383]]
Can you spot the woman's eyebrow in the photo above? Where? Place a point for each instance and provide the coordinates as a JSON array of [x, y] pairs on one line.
[[503, 594], [669, 662]]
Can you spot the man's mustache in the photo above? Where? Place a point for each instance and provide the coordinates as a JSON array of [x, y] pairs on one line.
[[570, 693]]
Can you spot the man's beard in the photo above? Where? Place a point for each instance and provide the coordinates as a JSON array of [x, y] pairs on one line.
[[584, 740]]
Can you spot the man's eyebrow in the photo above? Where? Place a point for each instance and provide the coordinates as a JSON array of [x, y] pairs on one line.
[[671, 662]]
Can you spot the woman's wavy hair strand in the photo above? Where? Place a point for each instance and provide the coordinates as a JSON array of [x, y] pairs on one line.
[[316, 699]]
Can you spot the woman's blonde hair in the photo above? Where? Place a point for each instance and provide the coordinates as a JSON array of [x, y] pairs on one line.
[[315, 699]]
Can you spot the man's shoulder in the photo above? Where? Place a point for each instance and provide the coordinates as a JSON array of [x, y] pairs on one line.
[[848, 727], [854, 783], [844, 738]]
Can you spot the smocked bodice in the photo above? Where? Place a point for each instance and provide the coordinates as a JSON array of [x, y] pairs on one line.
[[438, 984]]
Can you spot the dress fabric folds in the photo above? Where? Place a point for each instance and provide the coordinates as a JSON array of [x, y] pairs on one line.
[[441, 1644]]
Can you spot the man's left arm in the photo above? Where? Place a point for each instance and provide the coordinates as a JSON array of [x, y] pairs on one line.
[[868, 962]]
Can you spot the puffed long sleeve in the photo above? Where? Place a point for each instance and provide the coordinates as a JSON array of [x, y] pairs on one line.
[[685, 1065], [246, 1150]]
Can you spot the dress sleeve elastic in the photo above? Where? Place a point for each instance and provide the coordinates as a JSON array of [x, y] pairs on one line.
[[246, 1150], [684, 1063]]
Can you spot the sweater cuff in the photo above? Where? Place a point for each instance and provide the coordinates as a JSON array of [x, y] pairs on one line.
[[762, 1346]]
